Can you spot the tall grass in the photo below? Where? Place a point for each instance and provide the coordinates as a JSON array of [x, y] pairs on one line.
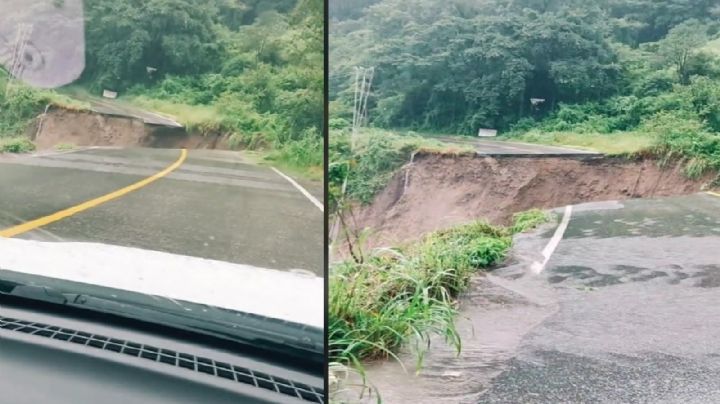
[[607, 143], [201, 118], [397, 297]]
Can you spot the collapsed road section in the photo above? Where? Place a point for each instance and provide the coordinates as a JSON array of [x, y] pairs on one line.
[[59, 126], [438, 191]]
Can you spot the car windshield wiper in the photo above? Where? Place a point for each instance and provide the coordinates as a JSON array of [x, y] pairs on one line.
[[300, 341]]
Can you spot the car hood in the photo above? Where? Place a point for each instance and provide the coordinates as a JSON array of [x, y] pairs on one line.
[[296, 295]]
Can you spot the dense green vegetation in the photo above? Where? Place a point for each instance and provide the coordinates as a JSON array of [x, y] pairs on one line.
[[251, 69], [380, 302], [646, 68]]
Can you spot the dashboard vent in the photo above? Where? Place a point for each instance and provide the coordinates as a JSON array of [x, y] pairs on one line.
[[172, 358]]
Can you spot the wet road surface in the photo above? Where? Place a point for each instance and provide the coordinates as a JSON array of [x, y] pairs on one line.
[[494, 147], [216, 205], [625, 311], [109, 107]]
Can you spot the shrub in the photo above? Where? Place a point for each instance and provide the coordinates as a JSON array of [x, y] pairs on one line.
[[374, 165], [304, 152], [338, 123], [16, 145], [528, 220], [396, 296]]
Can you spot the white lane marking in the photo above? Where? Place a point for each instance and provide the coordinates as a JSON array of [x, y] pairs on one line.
[[538, 267], [301, 189]]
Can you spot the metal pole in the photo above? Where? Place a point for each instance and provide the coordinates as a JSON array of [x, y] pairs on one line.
[[364, 115], [355, 107]]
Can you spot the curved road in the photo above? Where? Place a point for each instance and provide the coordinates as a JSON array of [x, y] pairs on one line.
[[216, 205]]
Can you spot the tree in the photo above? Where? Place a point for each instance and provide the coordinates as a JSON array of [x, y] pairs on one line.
[[678, 46], [126, 37], [461, 65]]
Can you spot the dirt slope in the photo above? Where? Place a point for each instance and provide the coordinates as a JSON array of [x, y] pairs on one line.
[[94, 129], [443, 190]]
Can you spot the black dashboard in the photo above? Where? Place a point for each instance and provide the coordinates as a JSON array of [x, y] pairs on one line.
[[49, 358]]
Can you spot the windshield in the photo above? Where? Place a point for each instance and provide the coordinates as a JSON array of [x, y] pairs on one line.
[[168, 148]]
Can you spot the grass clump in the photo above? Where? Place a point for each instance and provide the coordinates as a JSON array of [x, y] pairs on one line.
[[610, 144], [685, 139], [528, 220], [400, 296], [16, 145]]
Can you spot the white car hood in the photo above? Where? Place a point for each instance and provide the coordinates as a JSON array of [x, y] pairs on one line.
[[287, 295]]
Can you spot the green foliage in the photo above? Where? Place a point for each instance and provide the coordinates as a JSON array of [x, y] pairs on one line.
[[16, 145], [396, 297], [705, 99], [19, 108], [678, 46], [21, 104], [377, 156], [456, 67], [374, 166], [172, 36], [251, 70], [302, 153], [683, 138], [529, 220], [368, 168], [618, 143], [619, 76], [338, 123]]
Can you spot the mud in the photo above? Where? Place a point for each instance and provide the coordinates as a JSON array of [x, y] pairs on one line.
[[80, 128], [439, 191]]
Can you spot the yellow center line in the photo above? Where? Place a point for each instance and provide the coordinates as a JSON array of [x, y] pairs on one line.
[[713, 193], [44, 221]]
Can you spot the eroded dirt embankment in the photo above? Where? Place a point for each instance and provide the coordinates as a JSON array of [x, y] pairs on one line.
[[93, 129], [440, 191]]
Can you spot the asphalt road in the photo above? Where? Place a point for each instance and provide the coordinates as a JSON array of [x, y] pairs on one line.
[[109, 107], [494, 147], [624, 311], [216, 205]]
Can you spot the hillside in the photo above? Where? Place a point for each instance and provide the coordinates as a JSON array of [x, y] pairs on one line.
[[620, 77], [251, 71]]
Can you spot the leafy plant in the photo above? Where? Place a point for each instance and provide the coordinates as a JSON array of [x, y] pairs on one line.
[[396, 297]]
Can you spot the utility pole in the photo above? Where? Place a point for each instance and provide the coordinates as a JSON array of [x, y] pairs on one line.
[[17, 59], [363, 83]]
